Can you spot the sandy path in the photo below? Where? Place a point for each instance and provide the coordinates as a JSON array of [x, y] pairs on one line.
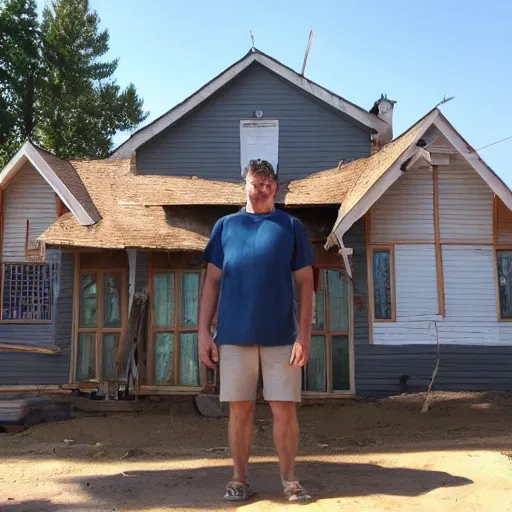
[[361, 456]]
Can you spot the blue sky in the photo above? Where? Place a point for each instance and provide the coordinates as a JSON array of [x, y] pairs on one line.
[[415, 52]]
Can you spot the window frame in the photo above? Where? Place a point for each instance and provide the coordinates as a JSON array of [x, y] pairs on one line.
[[328, 335], [498, 249], [176, 330], [99, 330], [26, 320], [371, 281]]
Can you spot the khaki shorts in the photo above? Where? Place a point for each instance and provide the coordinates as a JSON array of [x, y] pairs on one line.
[[239, 373]]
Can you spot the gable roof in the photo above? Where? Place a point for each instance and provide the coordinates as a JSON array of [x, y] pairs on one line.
[[144, 134], [60, 175], [375, 174]]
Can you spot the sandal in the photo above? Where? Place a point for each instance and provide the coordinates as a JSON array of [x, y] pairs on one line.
[[294, 492], [237, 491]]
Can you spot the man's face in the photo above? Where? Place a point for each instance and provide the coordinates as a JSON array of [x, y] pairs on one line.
[[260, 190]]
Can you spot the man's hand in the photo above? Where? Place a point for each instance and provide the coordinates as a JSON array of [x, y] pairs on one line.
[[300, 353], [208, 351]]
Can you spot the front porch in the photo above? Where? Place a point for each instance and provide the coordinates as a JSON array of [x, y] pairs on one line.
[[105, 282]]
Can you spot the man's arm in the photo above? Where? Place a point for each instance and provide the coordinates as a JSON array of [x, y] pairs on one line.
[[208, 353], [304, 285]]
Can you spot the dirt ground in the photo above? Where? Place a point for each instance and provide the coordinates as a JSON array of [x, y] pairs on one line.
[[356, 455]]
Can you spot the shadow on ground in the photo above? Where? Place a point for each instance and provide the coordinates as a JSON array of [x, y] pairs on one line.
[[201, 488], [48, 506]]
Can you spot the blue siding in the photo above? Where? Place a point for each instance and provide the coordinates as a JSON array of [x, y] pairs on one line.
[[141, 271], [378, 368], [64, 311], [355, 239], [206, 143], [18, 368]]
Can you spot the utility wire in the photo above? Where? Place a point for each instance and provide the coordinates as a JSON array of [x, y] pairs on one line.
[[493, 143]]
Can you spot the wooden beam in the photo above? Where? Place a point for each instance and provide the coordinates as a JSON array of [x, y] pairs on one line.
[[327, 337], [169, 390], [60, 206], [50, 389], [497, 285], [351, 348], [393, 282], [175, 363], [32, 349], [495, 218], [440, 159], [76, 317], [151, 361], [403, 242], [369, 269], [439, 252]]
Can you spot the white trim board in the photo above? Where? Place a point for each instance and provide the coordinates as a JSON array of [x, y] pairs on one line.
[[29, 153], [474, 160], [173, 115], [384, 182], [346, 220]]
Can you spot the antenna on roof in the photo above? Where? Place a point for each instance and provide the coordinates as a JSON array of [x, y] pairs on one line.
[[307, 51], [252, 37], [444, 100]]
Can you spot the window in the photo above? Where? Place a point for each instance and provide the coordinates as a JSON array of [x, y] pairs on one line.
[[27, 292], [328, 368], [504, 262], [100, 325], [175, 325], [382, 284]]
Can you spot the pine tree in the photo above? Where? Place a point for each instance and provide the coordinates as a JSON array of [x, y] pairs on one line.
[[54, 86], [19, 74], [82, 107]]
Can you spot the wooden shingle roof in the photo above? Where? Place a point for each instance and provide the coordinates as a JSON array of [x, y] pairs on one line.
[[149, 211]]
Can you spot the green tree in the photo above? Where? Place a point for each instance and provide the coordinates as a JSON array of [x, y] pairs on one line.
[[19, 73], [82, 107], [54, 85]]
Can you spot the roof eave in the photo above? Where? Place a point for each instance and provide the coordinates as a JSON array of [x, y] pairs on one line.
[[29, 153]]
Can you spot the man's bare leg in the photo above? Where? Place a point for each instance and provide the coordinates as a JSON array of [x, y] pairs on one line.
[[241, 434], [286, 436]]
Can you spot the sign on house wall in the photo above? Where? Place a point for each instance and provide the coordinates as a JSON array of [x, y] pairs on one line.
[[259, 138]]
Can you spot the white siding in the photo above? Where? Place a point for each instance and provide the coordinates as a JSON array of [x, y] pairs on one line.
[[404, 333], [505, 333], [406, 210], [465, 203], [416, 298], [469, 283], [30, 197], [470, 298], [416, 282]]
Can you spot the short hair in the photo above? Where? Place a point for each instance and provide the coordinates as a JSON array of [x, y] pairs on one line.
[[261, 167]]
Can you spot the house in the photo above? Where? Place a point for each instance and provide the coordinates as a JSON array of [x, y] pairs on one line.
[[410, 238]]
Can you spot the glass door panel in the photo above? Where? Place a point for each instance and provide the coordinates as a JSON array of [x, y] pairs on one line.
[[189, 359], [86, 357], [164, 348], [315, 371]]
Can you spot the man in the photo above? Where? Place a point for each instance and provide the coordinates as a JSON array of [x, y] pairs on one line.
[[259, 260]]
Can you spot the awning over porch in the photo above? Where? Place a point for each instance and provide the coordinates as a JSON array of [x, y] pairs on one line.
[[155, 227], [170, 228], [176, 213]]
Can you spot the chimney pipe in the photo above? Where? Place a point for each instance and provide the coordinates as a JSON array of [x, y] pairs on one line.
[[383, 109]]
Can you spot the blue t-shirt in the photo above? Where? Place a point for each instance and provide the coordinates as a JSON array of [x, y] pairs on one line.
[[258, 254]]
